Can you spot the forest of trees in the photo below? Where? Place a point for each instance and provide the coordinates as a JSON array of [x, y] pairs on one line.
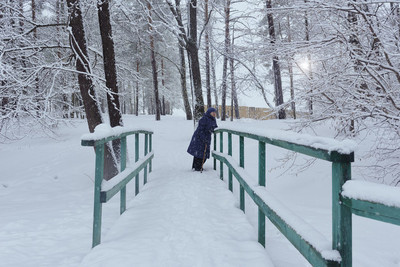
[[316, 61]]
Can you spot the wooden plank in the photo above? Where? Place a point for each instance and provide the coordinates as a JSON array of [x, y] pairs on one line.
[[151, 149], [215, 148], [221, 149], [97, 209], [136, 159], [230, 183], [375, 211], [341, 215], [123, 166], [332, 156], [242, 199], [241, 164], [107, 195], [261, 182], [146, 151]]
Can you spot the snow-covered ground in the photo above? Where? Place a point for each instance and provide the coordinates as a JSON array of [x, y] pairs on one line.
[[46, 198]]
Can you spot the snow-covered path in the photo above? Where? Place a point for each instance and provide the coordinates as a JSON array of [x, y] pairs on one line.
[[186, 219], [46, 205], [180, 218]]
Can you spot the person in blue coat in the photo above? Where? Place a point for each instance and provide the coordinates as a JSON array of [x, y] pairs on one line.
[[200, 144]]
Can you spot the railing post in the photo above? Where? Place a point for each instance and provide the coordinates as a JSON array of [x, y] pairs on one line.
[[215, 149], [261, 182], [136, 160], [230, 154], [341, 215], [241, 164], [146, 151], [123, 166], [221, 149], [96, 238], [151, 149]]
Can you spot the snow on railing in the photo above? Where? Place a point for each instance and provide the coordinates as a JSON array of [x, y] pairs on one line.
[[283, 215], [374, 201], [308, 241], [328, 144], [372, 192], [105, 190], [104, 133]]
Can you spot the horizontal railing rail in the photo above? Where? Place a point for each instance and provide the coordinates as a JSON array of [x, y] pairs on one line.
[[105, 190], [308, 241], [315, 252], [374, 201]]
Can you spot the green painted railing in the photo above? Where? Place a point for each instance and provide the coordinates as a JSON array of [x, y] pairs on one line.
[[344, 203], [103, 192], [341, 249]]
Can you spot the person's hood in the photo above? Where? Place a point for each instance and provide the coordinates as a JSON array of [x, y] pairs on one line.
[[209, 110]]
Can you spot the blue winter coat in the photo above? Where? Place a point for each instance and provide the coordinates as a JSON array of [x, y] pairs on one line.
[[202, 135]]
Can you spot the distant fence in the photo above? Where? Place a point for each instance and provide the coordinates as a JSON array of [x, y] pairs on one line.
[[257, 113]]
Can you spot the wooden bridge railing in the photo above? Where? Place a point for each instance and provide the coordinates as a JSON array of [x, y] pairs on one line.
[[309, 242], [105, 190]]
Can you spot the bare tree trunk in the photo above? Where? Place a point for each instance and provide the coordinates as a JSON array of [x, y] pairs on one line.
[[193, 52], [109, 63], [154, 65], [137, 90], [207, 54], [307, 29], [290, 69], [110, 71], [275, 65], [21, 12], [66, 107], [396, 14], [182, 70], [78, 43], [144, 102], [33, 11], [234, 102], [355, 51], [291, 82], [225, 63], [189, 41], [182, 73], [163, 111], [4, 99], [92, 110], [214, 77]]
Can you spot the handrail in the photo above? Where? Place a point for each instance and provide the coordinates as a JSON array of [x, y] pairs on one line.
[[88, 140], [375, 201], [341, 155], [105, 190], [324, 148]]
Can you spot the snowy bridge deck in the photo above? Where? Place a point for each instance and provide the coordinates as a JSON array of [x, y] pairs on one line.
[[185, 218], [181, 218]]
